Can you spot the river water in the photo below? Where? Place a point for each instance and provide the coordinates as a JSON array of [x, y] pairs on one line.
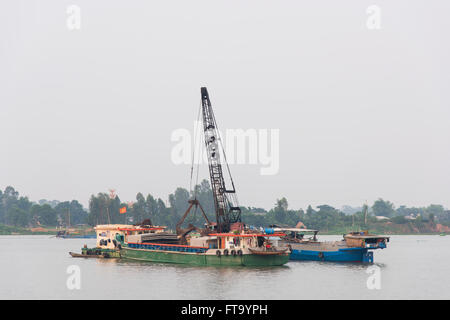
[[36, 267]]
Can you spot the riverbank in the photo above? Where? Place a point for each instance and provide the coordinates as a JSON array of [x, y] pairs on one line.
[[12, 230], [390, 228]]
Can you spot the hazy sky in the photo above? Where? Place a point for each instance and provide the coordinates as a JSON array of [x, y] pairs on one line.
[[361, 113]]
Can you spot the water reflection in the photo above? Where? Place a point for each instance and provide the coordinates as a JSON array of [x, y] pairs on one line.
[[410, 269]]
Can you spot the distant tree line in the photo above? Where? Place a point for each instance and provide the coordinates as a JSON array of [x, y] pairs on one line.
[[328, 218], [17, 210], [103, 209]]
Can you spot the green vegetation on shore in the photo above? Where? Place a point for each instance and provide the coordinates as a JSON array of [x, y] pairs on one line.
[[18, 215], [12, 230]]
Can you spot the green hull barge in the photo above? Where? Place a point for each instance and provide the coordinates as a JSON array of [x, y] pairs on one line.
[[225, 242], [218, 249], [204, 259]]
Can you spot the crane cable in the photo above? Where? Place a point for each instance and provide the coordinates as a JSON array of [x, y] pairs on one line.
[[193, 152], [197, 132], [224, 156], [200, 159]]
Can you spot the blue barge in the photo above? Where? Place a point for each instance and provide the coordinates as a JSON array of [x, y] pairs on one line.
[[354, 247]]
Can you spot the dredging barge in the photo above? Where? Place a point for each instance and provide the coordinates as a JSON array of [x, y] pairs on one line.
[[226, 242], [153, 244]]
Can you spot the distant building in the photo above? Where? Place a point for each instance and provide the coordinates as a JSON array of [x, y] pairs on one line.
[[411, 217], [381, 218]]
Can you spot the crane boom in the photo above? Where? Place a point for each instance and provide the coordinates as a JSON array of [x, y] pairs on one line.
[[225, 201]]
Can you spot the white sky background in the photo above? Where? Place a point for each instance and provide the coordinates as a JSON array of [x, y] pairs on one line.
[[362, 113]]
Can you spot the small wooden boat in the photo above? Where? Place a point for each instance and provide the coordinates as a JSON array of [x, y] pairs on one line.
[[74, 235], [80, 255]]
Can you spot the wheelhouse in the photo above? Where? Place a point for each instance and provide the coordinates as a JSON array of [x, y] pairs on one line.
[[233, 241], [110, 236]]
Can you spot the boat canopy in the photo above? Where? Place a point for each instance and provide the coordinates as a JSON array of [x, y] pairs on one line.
[[141, 229], [126, 227], [354, 236], [364, 235], [247, 235], [294, 230]]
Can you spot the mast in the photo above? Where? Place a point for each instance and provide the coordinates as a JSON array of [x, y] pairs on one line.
[[225, 201], [366, 207]]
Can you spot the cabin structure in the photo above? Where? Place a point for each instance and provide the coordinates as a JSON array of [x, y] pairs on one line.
[[112, 236]]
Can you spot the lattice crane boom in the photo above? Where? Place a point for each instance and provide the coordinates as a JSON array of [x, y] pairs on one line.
[[225, 201]]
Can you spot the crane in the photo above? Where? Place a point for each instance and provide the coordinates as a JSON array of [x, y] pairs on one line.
[[225, 200]]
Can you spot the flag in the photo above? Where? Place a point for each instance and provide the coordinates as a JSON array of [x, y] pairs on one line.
[[123, 210]]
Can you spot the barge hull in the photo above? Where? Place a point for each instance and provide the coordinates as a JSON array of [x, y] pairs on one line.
[[342, 255], [201, 259]]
